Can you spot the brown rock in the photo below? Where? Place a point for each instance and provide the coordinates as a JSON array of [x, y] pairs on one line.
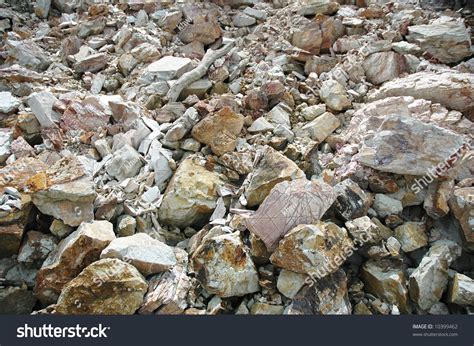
[[74, 253], [219, 130]]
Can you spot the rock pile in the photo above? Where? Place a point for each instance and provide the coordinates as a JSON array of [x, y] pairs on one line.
[[236, 157]]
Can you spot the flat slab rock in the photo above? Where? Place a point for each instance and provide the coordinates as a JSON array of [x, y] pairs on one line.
[[454, 90], [290, 204], [148, 255]]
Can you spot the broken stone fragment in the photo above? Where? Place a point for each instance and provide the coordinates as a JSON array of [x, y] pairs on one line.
[[28, 54], [8, 103], [92, 63], [126, 225], [223, 266], [411, 235], [454, 89], [41, 8], [6, 138], [385, 279], [168, 292], [272, 169], [16, 300], [289, 283], [204, 32], [125, 163], [462, 290], [41, 104], [381, 148], [12, 227], [351, 201], [326, 296], [148, 255], [219, 130], [290, 203], [71, 202], [36, 247], [447, 39], [242, 20], [318, 249], [334, 95], [88, 115], [429, 281], [118, 284], [321, 127], [313, 7], [363, 230], [191, 195], [73, 254], [384, 66], [198, 88], [462, 208], [385, 205], [167, 68]]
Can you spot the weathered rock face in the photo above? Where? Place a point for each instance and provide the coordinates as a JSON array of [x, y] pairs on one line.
[[290, 204], [36, 248], [334, 95], [16, 300], [321, 127], [384, 66], [8, 103], [72, 202], [411, 235], [446, 39], [400, 143], [118, 284], [429, 280], [73, 254], [327, 296], [205, 32], [289, 283], [462, 207], [462, 290], [126, 163], [385, 279], [191, 195], [272, 169], [167, 292], [148, 255], [219, 131], [351, 201], [12, 226], [224, 267], [318, 249], [454, 89], [28, 54]]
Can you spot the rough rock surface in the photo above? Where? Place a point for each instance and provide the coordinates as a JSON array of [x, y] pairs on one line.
[[121, 290], [73, 254]]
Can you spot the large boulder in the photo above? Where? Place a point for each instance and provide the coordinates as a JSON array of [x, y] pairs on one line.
[[73, 254], [453, 89], [106, 287], [447, 39], [290, 203], [384, 66]]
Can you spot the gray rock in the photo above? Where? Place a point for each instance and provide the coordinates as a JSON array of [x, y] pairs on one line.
[[41, 104], [42, 7], [148, 255], [446, 39], [167, 68], [334, 95], [321, 127], [289, 283], [125, 163], [16, 300], [242, 20], [8, 103], [385, 205]]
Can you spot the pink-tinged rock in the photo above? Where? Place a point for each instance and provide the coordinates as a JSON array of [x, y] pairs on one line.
[[290, 204], [21, 148], [87, 115], [454, 90], [384, 66], [205, 32]]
